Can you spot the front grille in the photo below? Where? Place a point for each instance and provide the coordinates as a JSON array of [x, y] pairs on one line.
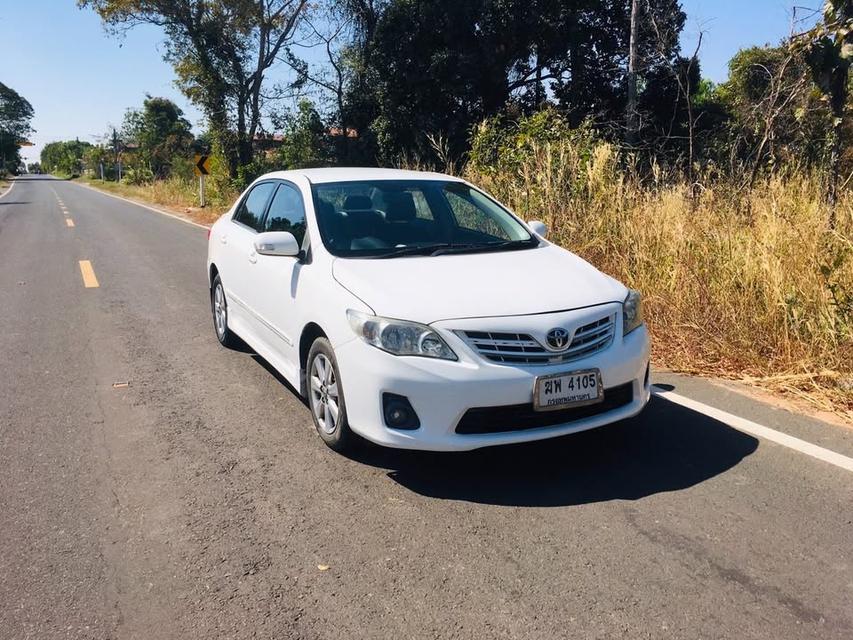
[[520, 417], [522, 348]]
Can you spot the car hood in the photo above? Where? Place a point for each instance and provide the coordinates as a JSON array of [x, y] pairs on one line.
[[429, 289]]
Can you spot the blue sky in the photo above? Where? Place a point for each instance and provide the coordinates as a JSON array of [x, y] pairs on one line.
[[81, 80]]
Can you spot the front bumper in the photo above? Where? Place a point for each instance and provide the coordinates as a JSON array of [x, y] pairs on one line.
[[442, 391]]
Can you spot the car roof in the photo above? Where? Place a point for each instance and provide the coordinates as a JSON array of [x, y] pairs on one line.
[[346, 174]]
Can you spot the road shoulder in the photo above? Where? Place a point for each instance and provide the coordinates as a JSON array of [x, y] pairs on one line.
[[741, 400], [192, 215], [6, 186]]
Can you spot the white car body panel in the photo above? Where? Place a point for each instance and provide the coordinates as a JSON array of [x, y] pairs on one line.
[[274, 302], [427, 289]]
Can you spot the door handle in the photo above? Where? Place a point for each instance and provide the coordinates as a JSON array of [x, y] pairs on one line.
[[253, 257], [223, 239]]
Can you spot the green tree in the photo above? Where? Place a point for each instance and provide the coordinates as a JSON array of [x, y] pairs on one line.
[[98, 156], [429, 71], [160, 132], [774, 116], [16, 114], [306, 140], [586, 43], [64, 158], [828, 50], [221, 52]]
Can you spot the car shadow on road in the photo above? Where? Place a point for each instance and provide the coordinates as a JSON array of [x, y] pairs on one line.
[[272, 371], [666, 448]]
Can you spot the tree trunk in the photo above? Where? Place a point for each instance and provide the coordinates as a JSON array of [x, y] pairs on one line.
[[577, 71], [244, 144], [224, 139], [834, 168], [632, 120], [537, 90]]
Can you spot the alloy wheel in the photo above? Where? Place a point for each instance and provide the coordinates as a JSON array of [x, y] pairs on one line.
[[324, 393], [220, 314]]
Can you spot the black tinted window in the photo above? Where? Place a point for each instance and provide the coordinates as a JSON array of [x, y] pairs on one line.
[[251, 210], [286, 212]]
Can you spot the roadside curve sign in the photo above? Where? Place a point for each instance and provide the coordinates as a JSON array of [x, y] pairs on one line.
[[202, 165]]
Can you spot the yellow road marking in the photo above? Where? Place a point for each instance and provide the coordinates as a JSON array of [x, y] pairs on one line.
[[89, 279], [69, 222]]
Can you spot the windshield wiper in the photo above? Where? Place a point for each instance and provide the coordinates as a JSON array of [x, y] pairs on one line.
[[414, 250], [482, 247]]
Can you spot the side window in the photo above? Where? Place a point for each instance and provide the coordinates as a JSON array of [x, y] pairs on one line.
[[251, 210], [286, 212]]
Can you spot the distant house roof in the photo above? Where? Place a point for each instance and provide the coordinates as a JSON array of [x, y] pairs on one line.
[[267, 140], [337, 131]]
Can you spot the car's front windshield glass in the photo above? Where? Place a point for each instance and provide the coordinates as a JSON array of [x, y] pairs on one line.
[[395, 218]]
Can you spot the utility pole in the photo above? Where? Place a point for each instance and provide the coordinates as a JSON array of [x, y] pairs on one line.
[[118, 158], [537, 90], [632, 117]]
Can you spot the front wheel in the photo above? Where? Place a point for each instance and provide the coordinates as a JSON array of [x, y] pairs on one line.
[[326, 397], [219, 307]]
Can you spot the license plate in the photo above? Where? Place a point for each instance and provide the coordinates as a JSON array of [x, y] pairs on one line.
[[564, 390]]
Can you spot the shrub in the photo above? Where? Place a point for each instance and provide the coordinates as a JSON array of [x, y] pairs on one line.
[[138, 175]]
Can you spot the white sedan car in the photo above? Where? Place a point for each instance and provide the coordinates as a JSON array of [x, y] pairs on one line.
[[414, 310]]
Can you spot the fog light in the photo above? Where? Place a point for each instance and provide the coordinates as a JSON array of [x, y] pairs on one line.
[[399, 413]]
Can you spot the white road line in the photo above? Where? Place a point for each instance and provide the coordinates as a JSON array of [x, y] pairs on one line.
[[759, 431], [144, 206], [9, 190]]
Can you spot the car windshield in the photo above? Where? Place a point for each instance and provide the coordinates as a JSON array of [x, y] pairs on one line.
[[395, 218]]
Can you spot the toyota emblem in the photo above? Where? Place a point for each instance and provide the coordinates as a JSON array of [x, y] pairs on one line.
[[558, 338]]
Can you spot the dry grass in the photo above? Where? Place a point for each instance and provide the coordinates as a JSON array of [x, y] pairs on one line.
[[179, 196], [749, 285]]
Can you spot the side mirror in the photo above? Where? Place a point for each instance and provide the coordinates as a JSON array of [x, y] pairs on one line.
[[539, 228], [277, 243]]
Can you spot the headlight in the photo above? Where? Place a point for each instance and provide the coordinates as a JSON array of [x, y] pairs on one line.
[[632, 312], [399, 337]]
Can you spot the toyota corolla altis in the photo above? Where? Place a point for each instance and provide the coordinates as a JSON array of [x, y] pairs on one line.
[[414, 310]]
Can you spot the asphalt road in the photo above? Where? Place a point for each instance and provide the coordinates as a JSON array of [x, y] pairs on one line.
[[197, 502]]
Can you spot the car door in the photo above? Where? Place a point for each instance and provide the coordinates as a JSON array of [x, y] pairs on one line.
[[239, 259], [277, 277]]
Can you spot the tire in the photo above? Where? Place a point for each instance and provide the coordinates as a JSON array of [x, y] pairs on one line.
[[219, 309], [326, 396]]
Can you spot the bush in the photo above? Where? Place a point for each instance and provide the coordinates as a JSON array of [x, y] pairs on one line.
[[247, 173], [138, 175]]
